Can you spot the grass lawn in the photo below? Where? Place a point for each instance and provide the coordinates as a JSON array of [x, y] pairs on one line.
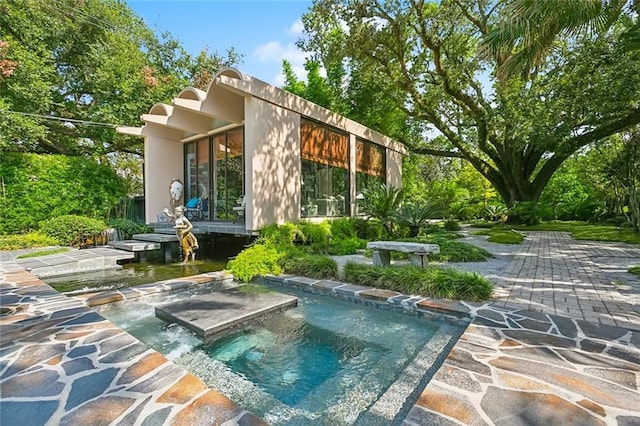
[[583, 231]]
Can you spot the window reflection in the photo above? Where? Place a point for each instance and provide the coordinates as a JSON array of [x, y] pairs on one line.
[[325, 164]]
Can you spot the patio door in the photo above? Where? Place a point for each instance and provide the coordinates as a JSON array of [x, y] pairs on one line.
[[197, 176], [228, 173]]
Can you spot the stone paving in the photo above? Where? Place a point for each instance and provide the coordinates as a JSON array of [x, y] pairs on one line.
[[586, 280], [63, 364], [523, 360]]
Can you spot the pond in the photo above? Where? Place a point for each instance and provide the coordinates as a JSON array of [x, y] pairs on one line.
[[212, 256], [327, 361]]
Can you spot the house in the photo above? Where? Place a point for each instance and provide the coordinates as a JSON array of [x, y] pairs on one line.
[[247, 148]]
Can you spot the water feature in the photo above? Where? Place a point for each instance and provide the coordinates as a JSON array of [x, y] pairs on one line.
[[213, 255], [328, 361]]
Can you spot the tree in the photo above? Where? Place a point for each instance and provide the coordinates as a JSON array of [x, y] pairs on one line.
[[532, 27], [71, 71], [515, 133]]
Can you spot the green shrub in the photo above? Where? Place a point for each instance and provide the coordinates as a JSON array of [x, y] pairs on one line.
[[315, 232], [312, 266], [430, 282], [451, 225], [635, 270], [73, 230], [39, 187], [283, 235], [525, 212], [344, 228], [454, 251], [368, 230], [259, 259], [127, 228], [346, 246], [23, 241]]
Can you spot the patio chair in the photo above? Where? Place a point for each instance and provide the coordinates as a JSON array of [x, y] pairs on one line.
[[239, 210], [193, 209]]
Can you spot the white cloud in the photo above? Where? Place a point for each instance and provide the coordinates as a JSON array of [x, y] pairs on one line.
[[296, 28], [274, 52]]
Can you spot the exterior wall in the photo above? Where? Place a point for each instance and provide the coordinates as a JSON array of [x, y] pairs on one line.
[[394, 168], [352, 174], [163, 161], [272, 164]]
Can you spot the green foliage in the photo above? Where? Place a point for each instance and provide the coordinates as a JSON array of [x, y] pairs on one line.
[[344, 227], [73, 230], [315, 232], [23, 241], [285, 234], [312, 266], [415, 216], [43, 253], [39, 187], [451, 225], [381, 203], [91, 60], [518, 133], [586, 231], [502, 236], [127, 228], [635, 270], [525, 212], [452, 250], [495, 212], [429, 282], [346, 246], [261, 258]]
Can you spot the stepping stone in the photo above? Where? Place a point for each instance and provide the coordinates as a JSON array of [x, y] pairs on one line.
[[214, 315]]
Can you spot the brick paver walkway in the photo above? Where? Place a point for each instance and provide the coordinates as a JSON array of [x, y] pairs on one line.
[[553, 273]]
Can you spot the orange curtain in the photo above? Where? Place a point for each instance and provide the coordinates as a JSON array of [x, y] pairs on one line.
[[369, 158], [323, 145]]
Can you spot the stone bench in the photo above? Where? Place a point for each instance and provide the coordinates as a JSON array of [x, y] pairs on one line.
[[417, 251]]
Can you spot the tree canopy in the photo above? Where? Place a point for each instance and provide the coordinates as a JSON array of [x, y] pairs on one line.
[[516, 130], [70, 71]]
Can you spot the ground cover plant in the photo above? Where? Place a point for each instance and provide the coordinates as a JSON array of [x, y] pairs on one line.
[[586, 231], [444, 283], [43, 252], [635, 270], [24, 241], [73, 230], [501, 236]]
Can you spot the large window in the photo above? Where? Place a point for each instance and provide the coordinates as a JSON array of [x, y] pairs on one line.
[[325, 165], [198, 170], [218, 183], [370, 164]]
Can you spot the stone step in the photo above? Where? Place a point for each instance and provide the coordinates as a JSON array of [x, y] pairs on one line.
[[135, 245], [156, 238]]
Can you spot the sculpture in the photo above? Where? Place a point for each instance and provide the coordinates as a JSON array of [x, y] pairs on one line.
[[183, 227], [176, 188]]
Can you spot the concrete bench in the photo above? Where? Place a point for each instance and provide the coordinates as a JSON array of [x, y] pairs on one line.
[[418, 251]]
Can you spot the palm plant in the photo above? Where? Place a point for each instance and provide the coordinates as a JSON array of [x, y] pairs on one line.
[[415, 216], [534, 26], [381, 203]]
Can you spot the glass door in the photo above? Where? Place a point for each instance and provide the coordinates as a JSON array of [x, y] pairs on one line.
[[228, 169]]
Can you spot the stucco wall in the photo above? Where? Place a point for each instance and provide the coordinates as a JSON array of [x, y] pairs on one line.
[[163, 161], [394, 168], [272, 164]]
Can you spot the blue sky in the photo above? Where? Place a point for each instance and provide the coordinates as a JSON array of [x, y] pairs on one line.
[[263, 31]]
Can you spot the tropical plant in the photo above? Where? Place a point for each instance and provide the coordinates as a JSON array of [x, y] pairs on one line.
[[495, 212], [415, 216], [381, 203], [554, 19]]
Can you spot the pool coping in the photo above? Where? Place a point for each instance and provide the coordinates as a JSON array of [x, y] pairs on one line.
[[510, 364]]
